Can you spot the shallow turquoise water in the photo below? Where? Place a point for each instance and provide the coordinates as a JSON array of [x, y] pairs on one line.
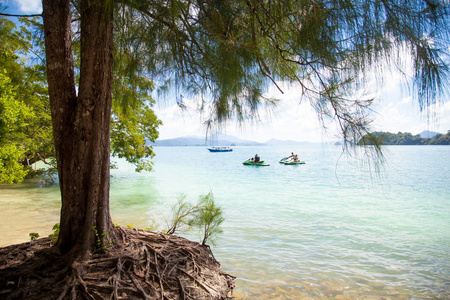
[[328, 229]]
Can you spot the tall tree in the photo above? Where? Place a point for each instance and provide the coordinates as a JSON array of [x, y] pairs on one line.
[[227, 51], [81, 123], [28, 138]]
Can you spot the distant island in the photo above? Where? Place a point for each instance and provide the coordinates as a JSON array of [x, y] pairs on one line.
[[222, 140], [384, 138], [405, 138]]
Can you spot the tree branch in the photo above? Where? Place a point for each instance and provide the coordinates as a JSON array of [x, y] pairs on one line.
[[46, 162], [20, 16]]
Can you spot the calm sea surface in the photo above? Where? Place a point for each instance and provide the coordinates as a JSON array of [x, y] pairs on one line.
[[330, 229]]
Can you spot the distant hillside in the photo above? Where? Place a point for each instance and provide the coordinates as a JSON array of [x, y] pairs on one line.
[[405, 138], [429, 134], [180, 141], [222, 140], [229, 140]]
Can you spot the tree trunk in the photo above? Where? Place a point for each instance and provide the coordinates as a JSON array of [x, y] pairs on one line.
[[81, 124]]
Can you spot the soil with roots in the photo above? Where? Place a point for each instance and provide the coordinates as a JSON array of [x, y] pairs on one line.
[[147, 265]]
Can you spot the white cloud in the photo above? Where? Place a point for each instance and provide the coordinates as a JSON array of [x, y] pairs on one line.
[[395, 110], [28, 6], [406, 100], [290, 120], [396, 113]]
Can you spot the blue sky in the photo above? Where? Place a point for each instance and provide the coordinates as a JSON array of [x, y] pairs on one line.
[[394, 110], [22, 6]]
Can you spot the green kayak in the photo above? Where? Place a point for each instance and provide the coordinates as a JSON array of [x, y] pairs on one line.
[[249, 162]]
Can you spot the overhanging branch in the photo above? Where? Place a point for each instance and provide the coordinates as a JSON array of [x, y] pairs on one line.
[[21, 16]]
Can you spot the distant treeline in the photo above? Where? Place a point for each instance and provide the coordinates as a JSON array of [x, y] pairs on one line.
[[404, 138]]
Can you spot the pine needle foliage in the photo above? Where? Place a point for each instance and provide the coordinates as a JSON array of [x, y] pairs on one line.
[[205, 216], [182, 211], [208, 218], [230, 52]]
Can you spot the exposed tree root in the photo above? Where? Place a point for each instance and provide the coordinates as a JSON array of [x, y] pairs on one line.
[[147, 265]]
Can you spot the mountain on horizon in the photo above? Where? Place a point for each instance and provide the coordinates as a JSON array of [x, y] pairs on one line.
[[428, 134], [221, 140], [229, 140]]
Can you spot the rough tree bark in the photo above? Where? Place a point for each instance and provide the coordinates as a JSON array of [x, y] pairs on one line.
[[81, 123], [142, 265]]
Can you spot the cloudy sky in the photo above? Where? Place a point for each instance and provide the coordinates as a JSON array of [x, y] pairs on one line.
[[394, 110]]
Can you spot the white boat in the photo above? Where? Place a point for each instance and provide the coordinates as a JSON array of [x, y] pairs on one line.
[[220, 149]]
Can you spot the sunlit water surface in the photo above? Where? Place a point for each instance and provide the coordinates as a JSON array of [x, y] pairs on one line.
[[333, 228]]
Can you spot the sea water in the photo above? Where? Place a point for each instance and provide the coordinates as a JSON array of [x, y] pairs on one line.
[[333, 228]]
